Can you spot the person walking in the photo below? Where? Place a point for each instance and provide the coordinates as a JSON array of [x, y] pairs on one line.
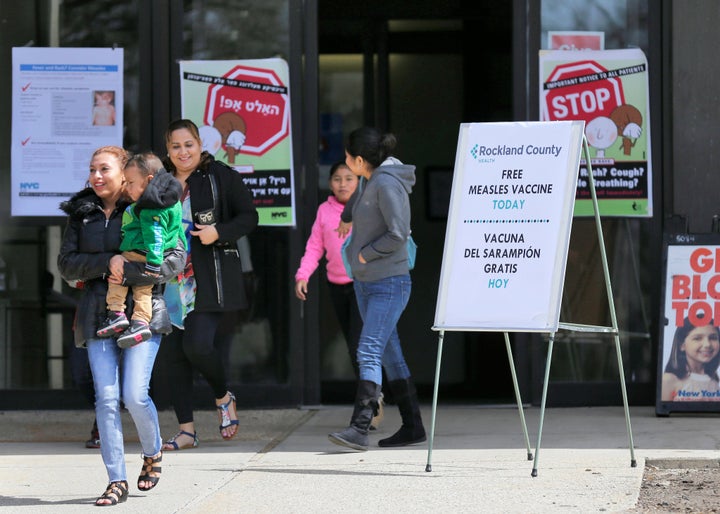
[[378, 257], [217, 210], [324, 241], [90, 252]]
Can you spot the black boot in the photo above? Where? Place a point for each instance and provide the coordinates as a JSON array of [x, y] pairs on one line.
[[355, 436], [412, 430]]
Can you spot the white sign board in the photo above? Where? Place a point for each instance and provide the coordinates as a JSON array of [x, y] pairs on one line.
[[66, 103], [508, 228]]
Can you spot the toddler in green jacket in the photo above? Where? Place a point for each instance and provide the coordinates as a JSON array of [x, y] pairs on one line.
[[151, 225]]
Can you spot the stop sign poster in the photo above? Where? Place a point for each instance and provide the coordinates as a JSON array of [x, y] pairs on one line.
[[242, 109], [608, 90]]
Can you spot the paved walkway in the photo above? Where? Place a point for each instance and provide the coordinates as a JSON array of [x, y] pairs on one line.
[[282, 462]]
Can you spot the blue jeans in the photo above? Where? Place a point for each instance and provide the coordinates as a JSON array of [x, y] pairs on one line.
[[381, 303], [123, 374]]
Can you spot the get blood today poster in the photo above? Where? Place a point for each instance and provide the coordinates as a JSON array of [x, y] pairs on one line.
[[608, 90], [690, 352]]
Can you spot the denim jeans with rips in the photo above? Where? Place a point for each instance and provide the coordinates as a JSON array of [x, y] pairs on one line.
[[124, 375]]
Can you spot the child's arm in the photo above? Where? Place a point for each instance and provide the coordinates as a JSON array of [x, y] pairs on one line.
[[346, 216], [172, 266], [314, 250], [154, 228], [670, 383], [343, 228]]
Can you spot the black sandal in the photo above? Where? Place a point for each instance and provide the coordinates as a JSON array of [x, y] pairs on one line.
[[116, 492], [149, 467]]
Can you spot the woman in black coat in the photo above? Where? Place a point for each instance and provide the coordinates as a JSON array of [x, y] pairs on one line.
[[90, 254], [219, 210]]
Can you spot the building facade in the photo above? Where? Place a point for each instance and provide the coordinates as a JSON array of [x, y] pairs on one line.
[[417, 69]]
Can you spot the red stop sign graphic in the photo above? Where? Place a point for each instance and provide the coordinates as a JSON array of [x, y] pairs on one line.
[[590, 92], [259, 98]]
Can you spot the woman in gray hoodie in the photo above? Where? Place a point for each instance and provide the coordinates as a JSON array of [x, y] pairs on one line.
[[378, 258]]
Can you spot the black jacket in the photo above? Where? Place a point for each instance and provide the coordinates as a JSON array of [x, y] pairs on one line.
[[217, 189], [88, 244]]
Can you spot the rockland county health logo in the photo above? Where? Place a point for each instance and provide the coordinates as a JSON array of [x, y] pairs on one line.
[[475, 152], [487, 154]]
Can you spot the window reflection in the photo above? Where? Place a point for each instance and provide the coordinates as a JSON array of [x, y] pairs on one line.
[[103, 24], [624, 22], [236, 29], [250, 29], [583, 357]]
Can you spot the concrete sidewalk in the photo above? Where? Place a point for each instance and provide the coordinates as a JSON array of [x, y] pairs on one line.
[[283, 462]]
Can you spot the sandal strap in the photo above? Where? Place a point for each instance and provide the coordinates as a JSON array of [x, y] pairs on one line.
[[172, 441], [224, 409], [149, 464], [149, 467], [116, 492]]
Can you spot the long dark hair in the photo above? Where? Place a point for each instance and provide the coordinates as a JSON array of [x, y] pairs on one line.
[[370, 144], [678, 364]]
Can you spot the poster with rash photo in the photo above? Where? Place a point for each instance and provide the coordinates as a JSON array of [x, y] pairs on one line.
[[689, 353]]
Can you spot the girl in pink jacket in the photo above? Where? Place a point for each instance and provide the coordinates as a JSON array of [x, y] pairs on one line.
[[325, 240]]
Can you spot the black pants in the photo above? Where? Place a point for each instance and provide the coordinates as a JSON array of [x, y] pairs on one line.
[[345, 303], [197, 347], [81, 374]]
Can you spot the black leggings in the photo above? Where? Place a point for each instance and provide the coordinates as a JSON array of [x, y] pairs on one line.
[[195, 347], [345, 303]]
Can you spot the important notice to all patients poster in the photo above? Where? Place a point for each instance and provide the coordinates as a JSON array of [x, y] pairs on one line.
[[243, 111], [66, 102], [690, 352], [608, 90], [509, 226]]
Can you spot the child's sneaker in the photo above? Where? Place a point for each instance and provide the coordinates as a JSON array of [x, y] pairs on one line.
[[138, 332], [114, 324]]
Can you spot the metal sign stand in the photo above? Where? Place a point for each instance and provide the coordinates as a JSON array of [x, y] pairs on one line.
[[612, 330]]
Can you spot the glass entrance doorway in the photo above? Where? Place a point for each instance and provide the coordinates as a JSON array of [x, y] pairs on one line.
[[417, 70]]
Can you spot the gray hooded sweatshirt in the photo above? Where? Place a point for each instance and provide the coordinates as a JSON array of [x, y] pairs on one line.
[[381, 223]]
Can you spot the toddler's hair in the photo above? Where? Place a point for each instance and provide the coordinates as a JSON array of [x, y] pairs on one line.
[[147, 162]]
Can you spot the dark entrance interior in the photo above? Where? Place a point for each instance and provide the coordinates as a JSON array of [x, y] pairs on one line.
[[417, 69]]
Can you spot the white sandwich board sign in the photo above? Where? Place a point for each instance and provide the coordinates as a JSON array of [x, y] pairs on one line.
[[508, 230]]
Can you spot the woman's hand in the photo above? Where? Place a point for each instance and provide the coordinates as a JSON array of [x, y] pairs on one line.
[[207, 233], [343, 229], [117, 269], [301, 289], [361, 259]]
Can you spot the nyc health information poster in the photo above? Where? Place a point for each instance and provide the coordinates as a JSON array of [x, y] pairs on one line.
[[66, 103]]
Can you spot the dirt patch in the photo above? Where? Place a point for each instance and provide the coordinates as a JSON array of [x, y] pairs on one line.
[[680, 485]]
